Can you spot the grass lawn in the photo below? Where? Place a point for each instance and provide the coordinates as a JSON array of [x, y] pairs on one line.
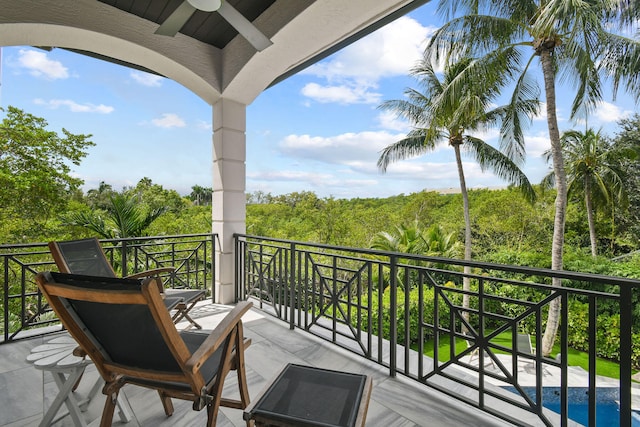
[[604, 367]]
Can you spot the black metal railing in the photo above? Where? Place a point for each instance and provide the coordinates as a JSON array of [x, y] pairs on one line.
[[430, 318], [24, 311]]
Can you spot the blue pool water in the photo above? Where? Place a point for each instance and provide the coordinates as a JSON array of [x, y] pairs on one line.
[[607, 411]]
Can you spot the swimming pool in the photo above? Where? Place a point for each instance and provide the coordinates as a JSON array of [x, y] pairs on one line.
[[607, 411]]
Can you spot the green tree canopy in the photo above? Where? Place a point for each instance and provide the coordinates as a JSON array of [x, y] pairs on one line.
[[155, 197], [35, 171]]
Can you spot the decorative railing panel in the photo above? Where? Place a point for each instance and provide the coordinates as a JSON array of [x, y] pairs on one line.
[[24, 312], [468, 332]]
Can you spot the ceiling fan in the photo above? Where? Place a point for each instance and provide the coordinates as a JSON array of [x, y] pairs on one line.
[[181, 15]]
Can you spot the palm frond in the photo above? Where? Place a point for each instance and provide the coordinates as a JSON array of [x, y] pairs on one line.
[[416, 143], [490, 158]]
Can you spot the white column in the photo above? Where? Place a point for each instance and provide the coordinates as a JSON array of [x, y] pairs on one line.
[[229, 180]]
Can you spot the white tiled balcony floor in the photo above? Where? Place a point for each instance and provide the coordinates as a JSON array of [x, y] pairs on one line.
[[26, 392]]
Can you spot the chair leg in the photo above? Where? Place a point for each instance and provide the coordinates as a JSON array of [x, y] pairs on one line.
[[167, 404], [109, 408], [240, 368], [212, 414]]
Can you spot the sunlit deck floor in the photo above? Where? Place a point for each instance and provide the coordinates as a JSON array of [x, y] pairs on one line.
[[26, 392]]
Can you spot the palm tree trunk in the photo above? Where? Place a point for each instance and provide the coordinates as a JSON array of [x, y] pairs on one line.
[[613, 227], [590, 219], [466, 281], [557, 247]]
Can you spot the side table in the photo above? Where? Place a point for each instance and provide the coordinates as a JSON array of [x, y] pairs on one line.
[[312, 397], [56, 356]]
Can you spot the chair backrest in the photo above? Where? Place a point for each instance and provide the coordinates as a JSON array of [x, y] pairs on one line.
[[83, 256], [524, 344], [122, 324]]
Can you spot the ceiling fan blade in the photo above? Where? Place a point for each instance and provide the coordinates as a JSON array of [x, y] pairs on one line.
[[176, 20], [244, 27]]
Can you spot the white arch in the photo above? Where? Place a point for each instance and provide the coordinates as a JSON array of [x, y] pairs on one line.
[[198, 75]]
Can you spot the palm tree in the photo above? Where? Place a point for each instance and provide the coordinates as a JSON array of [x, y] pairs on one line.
[[442, 244], [124, 218], [200, 195], [590, 173], [403, 238], [445, 111], [571, 40], [412, 239]]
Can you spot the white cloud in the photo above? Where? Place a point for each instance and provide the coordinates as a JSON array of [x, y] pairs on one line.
[[39, 65], [339, 149], [422, 169], [204, 125], [609, 113], [292, 176], [169, 120], [390, 51], [537, 144], [542, 113], [331, 182], [389, 120], [146, 79], [342, 94], [73, 106]]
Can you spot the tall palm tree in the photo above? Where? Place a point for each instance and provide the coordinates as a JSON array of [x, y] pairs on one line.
[[572, 40], [446, 111], [590, 173]]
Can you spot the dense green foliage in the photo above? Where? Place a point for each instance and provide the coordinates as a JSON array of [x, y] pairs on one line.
[[506, 228], [35, 179]]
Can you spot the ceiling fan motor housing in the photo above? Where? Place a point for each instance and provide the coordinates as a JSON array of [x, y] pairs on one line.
[[206, 5]]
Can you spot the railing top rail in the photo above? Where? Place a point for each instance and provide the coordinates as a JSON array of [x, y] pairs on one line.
[[127, 239], [536, 271]]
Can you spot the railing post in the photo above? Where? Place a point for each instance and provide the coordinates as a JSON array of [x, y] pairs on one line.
[[564, 357], [236, 267], [292, 284], [123, 256], [5, 301], [213, 267], [393, 324], [626, 320]]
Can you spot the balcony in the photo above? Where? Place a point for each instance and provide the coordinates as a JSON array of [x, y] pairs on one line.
[[319, 305]]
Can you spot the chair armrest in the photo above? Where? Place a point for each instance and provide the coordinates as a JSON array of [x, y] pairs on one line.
[[79, 352], [218, 336], [151, 273]]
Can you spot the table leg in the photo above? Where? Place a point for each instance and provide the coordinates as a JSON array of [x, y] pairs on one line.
[[124, 409], [65, 395]]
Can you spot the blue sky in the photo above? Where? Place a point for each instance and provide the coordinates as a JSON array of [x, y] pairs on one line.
[[319, 131]]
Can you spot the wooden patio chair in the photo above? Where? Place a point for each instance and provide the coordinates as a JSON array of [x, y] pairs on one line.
[[123, 325], [86, 256]]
